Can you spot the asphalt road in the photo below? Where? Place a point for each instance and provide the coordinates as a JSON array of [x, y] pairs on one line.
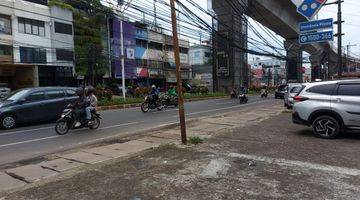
[[33, 141]]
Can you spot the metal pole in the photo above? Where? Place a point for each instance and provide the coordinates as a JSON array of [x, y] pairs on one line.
[[339, 34], [155, 15], [122, 58], [178, 73], [109, 46]]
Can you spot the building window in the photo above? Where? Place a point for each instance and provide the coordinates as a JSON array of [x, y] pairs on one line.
[[5, 50], [154, 45], [62, 54], [183, 50], [63, 28], [32, 55], [5, 53], [141, 43], [42, 2], [5, 24], [31, 26]]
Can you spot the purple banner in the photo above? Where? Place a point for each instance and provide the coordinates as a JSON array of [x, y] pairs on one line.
[[129, 46]]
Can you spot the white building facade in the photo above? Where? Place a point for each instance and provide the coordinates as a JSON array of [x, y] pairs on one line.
[[36, 44]]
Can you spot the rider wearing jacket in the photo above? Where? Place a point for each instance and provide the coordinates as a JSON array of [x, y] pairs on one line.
[[79, 106]]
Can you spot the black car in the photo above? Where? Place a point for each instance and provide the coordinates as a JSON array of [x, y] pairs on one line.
[[280, 92], [35, 105]]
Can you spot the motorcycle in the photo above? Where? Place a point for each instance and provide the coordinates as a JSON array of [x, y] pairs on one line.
[[243, 98], [264, 94], [151, 104], [67, 121], [233, 94], [169, 101]]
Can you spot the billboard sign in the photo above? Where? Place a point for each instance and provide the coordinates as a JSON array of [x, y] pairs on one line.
[[309, 8]]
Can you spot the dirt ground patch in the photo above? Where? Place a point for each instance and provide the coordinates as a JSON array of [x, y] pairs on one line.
[[273, 159]]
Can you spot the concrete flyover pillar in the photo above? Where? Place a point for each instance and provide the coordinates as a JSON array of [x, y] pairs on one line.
[[36, 76], [317, 67], [229, 44], [293, 61]]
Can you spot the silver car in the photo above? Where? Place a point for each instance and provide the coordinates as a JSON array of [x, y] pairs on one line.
[[329, 107], [292, 90]]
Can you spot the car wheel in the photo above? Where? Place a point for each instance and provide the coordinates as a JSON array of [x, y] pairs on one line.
[[8, 121], [326, 127]]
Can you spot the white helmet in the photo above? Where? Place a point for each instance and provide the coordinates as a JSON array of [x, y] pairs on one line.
[[153, 86]]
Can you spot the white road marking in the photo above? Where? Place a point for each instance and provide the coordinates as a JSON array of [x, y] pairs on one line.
[[29, 141], [24, 131], [56, 136], [301, 164]]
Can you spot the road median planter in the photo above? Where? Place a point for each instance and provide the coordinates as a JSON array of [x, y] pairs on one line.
[[134, 105]]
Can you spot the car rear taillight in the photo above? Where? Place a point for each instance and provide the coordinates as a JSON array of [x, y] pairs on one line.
[[300, 98]]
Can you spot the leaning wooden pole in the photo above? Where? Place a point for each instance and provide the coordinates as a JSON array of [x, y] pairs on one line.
[[178, 73]]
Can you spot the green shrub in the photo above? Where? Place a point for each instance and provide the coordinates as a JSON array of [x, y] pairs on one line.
[[103, 94], [195, 140], [141, 91]]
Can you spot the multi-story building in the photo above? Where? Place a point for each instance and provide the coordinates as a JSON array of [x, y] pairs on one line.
[[36, 44], [149, 56], [267, 71], [200, 59]]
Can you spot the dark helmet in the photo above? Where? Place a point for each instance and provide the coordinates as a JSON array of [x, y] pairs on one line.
[[89, 90], [79, 91]]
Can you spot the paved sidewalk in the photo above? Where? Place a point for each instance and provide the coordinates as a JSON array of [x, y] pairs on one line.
[[240, 159]]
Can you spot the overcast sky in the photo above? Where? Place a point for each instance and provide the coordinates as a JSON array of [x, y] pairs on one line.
[[351, 16]]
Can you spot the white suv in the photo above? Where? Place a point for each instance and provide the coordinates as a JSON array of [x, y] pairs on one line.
[[329, 107]]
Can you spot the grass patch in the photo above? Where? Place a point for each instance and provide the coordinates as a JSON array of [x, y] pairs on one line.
[[287, 111], [195, 140], [196, 96], [120, 101], [116, 100]]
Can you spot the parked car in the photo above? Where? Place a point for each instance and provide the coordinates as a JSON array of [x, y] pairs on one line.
[[34, 105], [329, 107], [4, 90], [280, 92], [291, 91]]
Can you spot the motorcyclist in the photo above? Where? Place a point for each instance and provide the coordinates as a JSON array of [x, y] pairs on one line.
[[233, 93], [92, 101], [172, 92], [154, 93], [79, 106]]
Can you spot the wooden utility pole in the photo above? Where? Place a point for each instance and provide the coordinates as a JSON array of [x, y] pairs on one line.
[[178, 73]]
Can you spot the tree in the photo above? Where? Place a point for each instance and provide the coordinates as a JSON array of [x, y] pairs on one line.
[[89, 20]]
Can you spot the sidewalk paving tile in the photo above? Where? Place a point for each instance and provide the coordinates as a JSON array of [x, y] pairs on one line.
[[158, 139], [31, 173], [85, 157], [7, 182], [113, 153], [131, 147], [61, 164]]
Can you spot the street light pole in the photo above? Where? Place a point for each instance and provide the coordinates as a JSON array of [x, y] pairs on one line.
[[178, 72], [122, 58]]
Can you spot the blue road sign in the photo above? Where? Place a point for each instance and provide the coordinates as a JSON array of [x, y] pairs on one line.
[[316, 25], [316, 37], [310, 7]]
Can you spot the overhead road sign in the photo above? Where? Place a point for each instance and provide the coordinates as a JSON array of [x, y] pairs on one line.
[[309, 8], [316, 25], [316, 37]]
